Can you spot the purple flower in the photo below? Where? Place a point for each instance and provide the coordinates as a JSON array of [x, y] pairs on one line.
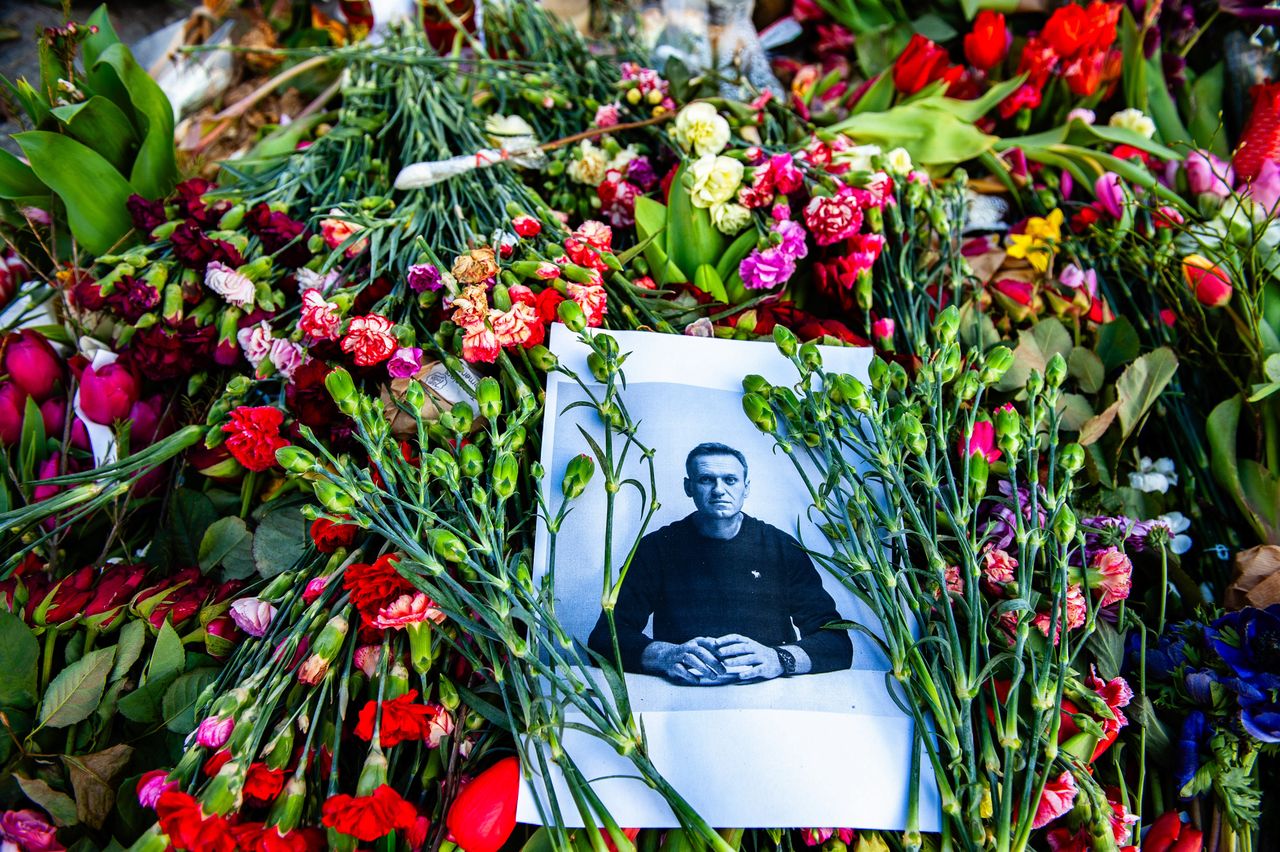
[[1002, 525], [214, 731], [1207, 174], [28, 831], [793, 238], [1248, 641], [253, 616], [424, 276], [405, 362], [1265, 188], [1193, 736], [1103, 531], [640, 172], [1110, 193], [762, 270]]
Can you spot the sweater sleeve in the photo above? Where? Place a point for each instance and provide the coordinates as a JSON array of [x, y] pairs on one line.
[[636, 600], [811, 608]]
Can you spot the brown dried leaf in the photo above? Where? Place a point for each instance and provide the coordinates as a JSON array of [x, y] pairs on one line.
[[1255, 568], [92, 778]]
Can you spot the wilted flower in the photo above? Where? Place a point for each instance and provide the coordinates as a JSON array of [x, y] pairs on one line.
[[475, 266]]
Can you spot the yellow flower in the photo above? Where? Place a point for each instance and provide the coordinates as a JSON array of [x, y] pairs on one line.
[[1038, 243]]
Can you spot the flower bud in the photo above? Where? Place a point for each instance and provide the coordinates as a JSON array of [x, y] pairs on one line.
[[576, 476], [1211, 285], [1055, 372], [1008, 422], [758, 412], [295, 459], [374, 773], [107, 394], [13, 410], [446, 545], [415, 396], [572, 316], [489, 398], [756, 384], [542, 358], [785, 340], [1064, 525], [878, 372], [463, 417], [810, 357], [343, 391], [506, 471], [600, 366], [1071, 458], [471, 461], [997, 363], [280, 748], [287, 810], [32, 364], [947, 324], [333, 498], [1035, 382]]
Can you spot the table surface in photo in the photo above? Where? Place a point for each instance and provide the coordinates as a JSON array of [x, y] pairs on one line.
[[851, 691]]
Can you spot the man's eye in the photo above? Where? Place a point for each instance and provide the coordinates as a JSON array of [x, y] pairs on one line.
[[732, 480]]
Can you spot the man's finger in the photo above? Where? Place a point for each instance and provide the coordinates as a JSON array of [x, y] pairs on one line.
[[706, 657], [754, 671], [747, 659], [681, 673], [731, 637], [734, 650], [695, 665]]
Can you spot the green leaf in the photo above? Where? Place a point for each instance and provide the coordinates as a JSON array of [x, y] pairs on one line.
[[1117, 343], [93, 192], [76, 691], [1141, 384], [280, 540], [738, 249], [168, 656], [93, 780], [19, 651], [178, 541], [155, 171], [59, 805], [96, 43], [179, 706], [1107, 645], [708, 280], [1163, 110], [1075, 411], [1087, 368], [128, 648], [17, 180], [1206, 111], [103, 126], [691, 238], [145, 704], [931, 135], [220, 539], [1036, 346], [651, 221], [878, 97]]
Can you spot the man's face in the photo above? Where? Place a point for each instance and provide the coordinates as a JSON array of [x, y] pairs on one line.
[[718, 486]]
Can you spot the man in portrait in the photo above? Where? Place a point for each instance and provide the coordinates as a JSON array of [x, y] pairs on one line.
[[732, 598]]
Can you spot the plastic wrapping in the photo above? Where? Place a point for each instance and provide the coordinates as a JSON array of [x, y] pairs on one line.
[[703, 34]]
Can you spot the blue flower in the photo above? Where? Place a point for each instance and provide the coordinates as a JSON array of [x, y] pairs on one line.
[[1262, 722], [1248, 641], [1194, 734]]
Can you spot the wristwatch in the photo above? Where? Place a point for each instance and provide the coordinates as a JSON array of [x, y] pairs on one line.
[[788, 661]]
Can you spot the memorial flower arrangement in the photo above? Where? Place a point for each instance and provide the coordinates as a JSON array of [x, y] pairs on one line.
[[270, 426]]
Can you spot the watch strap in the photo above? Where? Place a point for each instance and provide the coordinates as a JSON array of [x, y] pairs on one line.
[[788, 661]]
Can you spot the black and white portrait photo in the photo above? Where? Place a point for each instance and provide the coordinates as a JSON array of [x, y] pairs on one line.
[[734, 641]]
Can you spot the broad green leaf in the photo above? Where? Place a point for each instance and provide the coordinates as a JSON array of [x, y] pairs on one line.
[[76, 691], [93, 780], [168, 656], [1141, 384], [280, 540], [178, 541], [17, 180], [878, 97], [1074, 410], [1163, 110], [1035, 347], [933, 26], [978, 107], [128, 648], [1107, 645], [1261, 488], [155, 171], [102, 126], [932, 136], [1134, 68], [691, 238], [60, 806], [708, 281], [103, 80], [145, 704], [651, 219], [738, 249], [222, 536], [1117, 343], [19, 652], [96, 43], [1206, 111], [1087, 368], [179, 706], [93, 192]]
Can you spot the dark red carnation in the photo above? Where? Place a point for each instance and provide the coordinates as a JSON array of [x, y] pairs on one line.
[[255, 435], [179, 816], [146, 215], [309, 400], [374, 586], [161, 353], [277, 231], [190, 203], [368, 818], [195, 250], [328, 536]]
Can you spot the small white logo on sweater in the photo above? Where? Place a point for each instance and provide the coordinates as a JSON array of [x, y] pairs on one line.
[[755, 574]]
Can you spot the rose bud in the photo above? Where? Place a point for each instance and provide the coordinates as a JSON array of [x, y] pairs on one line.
[[114, 588], [1211, 285], [13, 408], [221, 637], [33, 364], [67, 599], [483, 815], [107, 394]]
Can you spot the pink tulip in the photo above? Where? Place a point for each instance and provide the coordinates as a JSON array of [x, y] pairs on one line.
[[1206, 174], [107, 394], [13, 407], [33, 364], [1110, 192], [54, 414]]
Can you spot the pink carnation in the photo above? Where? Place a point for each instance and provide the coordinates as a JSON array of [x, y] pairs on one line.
[[1059, 796], [1112, 573], [406, 610], [832, 219], [370, 340], [319, 320]]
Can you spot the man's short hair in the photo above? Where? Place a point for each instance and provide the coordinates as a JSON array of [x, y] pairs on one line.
[[711, 448]]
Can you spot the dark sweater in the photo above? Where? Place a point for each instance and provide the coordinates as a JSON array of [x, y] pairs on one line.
[[760, 584]]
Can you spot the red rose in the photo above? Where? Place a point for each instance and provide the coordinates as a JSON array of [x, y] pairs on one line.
[[328, 536], [988, 44], [368, 818], [374, 586], [262, 784], [920, 64], [402, 720], [255, 435], [483, 815]]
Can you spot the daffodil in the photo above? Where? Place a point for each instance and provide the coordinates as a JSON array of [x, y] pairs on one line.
[[1039, 240]]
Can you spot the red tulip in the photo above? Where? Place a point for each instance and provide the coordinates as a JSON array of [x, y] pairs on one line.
[[1211, 285], [13, 408], [920, 64], [33, 364], [988, 44], [54, 414], [107, 394], [483, 815]]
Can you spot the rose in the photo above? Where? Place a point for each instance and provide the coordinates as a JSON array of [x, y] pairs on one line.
[[715, 180], [32, 364], [701, 129], [107, 393]]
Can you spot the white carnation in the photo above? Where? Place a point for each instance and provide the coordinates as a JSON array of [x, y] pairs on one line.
[[702, 130], [715, 180]]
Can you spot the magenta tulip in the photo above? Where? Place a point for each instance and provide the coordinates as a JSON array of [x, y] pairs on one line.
[[107, 394], [33, 364], [54, 414], [13, 407]]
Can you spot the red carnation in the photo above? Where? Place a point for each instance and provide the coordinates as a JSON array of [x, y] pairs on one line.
[[181, 819], [262, 784], [368, 818], [374, 586], [402, 720], [255, 435], [328, 536]]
